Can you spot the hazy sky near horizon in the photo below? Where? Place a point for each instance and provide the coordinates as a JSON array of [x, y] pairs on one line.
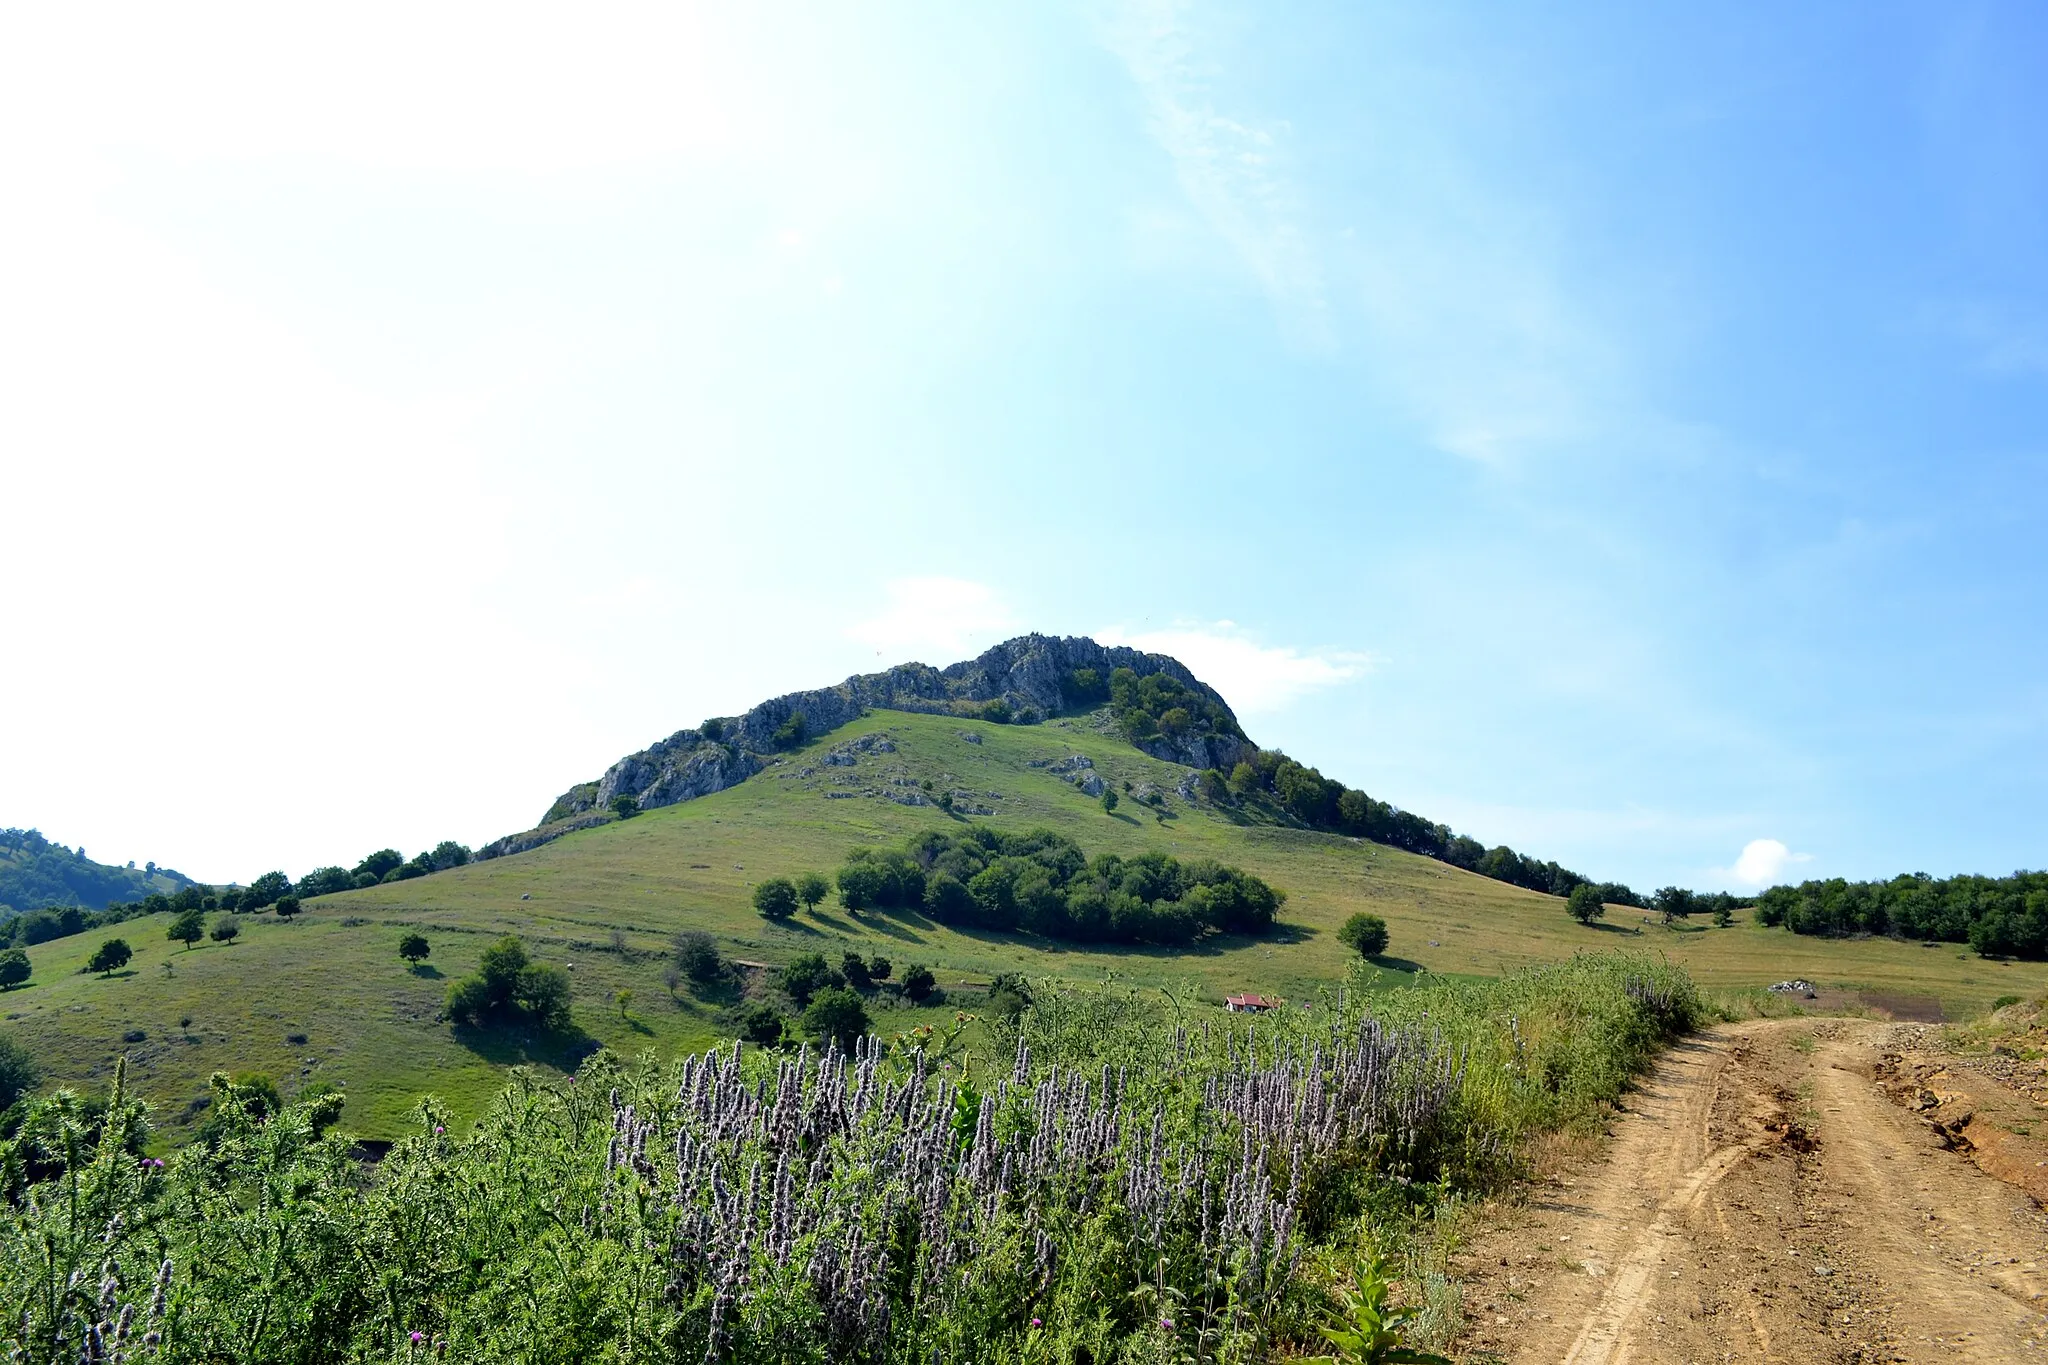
[[1617, 432]]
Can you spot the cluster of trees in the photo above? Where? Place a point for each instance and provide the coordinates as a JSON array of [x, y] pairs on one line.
[[508, 986], [777, 898], [1149, 707], [385, 865], [1998, 916], [190, 926], [1043, 882], [830, 1002]]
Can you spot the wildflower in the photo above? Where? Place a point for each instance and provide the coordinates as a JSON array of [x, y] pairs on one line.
[[439, 1129], [418, 1337], [1167, 1323], [1036, 1323]]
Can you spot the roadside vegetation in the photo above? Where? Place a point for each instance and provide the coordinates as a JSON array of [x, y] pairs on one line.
[[1100, 1176]]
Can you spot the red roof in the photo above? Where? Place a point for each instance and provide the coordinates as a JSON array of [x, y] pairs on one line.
[[1257, 1002]]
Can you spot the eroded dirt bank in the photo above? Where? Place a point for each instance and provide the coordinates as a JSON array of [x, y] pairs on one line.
[[1765, 1197]]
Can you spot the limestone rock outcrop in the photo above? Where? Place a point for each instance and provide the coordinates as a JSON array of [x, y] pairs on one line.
[[1027, 674]]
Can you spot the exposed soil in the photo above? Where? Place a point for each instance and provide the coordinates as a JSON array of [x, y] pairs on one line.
[[1781, 1190]]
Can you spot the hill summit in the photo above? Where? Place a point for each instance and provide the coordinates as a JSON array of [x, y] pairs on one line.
[[1171, 715]]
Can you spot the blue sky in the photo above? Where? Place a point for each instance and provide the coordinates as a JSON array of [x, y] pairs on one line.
[[1617, 432]]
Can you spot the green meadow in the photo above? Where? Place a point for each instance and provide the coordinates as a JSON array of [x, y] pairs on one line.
[[326, 998]]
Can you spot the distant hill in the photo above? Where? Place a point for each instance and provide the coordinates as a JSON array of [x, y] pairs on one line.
[[35, 873]]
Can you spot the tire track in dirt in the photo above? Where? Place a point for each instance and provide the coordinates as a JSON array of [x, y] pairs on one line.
[[1760, 1199]]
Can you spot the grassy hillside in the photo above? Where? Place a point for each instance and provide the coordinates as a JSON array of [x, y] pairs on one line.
[[368, 1023], [35, 873]]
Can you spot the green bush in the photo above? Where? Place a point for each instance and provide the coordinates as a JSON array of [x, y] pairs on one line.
[[807, 974], [19, 1073], [110, 957], [1364, 934], [837, 1016], [776, 898], [761, 1025], [188, 928], [811, 889], [918, 982], [14, 968], [696, 954], [509, 986]]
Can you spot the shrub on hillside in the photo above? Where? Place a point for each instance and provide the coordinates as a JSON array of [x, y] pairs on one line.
[[776, 898], [918, 982], [19, 1072], [854, 968], [109, 957], [1364, 934], [761, 1025], [225, 929], [14, 968], [188, 928], [836, 1016], [696, 956], [508, 986], [806, 975], [1584, 904], [414, 948]]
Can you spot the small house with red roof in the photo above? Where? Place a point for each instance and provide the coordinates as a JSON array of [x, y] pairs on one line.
[[1250, 1004]]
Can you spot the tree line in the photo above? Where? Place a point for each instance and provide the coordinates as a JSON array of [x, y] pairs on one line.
[[271, 891], [1043, 882], [1997, 916]]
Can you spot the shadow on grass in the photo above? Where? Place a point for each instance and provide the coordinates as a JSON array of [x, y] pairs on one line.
[[1616, 928], [638, 1027], [523, 1044], [1397, 964], [727, 990], [425, 970]]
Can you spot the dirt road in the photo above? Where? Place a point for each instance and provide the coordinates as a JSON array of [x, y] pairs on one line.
[[1761, 1199]]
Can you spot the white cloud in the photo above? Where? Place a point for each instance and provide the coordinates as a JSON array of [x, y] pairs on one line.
[[1255, 679], [1230, 165], [1762, 862], [1457, 292], [936, 621]]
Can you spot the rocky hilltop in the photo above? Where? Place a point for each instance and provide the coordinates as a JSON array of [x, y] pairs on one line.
[[1023, 680]]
